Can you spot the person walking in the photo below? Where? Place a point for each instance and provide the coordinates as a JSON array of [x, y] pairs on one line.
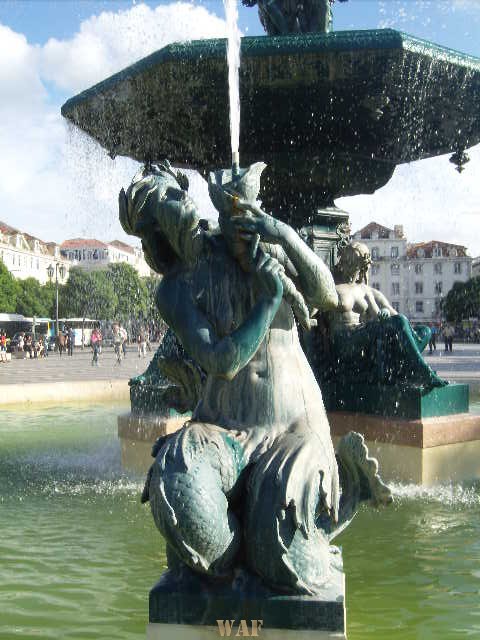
[[449, 333], [142, 343], [432, 343], [3, 347], [124, 334], [70, 340], [96, 342], [117, 343]]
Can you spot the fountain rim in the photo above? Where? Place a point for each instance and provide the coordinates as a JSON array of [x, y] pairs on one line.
[[259, 46]]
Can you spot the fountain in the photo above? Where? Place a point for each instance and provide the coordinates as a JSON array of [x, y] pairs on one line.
[[347, 118]]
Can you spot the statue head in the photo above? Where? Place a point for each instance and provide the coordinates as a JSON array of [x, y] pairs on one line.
[[157, 208], [355, 259], [223, 189]]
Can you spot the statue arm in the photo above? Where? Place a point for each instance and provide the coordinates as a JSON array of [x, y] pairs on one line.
[[225, 356], [315, 279], [311, 273], [382, 301]]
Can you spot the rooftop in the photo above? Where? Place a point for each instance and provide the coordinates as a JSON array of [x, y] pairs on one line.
[[427, 249]]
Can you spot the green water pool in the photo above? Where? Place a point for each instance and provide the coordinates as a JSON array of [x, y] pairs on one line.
[[78, 552]]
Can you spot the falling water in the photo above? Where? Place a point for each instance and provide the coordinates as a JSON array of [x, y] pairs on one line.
[[233, 58]]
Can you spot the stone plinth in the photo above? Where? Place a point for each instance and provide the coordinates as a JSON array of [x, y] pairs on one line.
[[138, 432], [422, 433], [197, 603], [194, 632], [410, 403], [425, 451]]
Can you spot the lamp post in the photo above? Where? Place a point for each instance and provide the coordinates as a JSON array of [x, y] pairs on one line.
[[55, 270]]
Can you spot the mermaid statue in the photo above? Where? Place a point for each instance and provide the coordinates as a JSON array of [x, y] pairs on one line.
[[369, 341], [251, 481]]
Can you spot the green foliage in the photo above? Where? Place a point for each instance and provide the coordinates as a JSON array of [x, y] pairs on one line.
[[8, 290], [151, 284], [463, 301], [131, 292], [88, 295], [33, 299]]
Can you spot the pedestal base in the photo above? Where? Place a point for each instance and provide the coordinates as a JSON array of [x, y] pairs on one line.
[[195, 632], [427, 451], [196, 601]]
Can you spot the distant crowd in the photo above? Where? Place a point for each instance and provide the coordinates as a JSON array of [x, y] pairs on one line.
[[25, 344]]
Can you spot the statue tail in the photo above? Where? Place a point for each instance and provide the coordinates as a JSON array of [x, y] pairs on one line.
[[359, 480]]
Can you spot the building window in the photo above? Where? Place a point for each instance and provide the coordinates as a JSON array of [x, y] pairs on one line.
[[396, 306], [95, 254], [418, 287], [438, 307], [395, 288], [394, 252], [419, 306], [437, 252], [38, 263], [375, 269], [457, 267], [376, 285], [418, 268], [395, 269], [375, 253], [420, 253], [437, 267], [438, 288]]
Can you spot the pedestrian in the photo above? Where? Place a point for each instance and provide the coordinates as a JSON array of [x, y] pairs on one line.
[[117, 343], [124, 334], [96, 342], [3, 347], [142, 343], [449, 339], [432, 343], [70, 340]]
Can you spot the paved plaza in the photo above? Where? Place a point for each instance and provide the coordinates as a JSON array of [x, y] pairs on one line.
[[75, 368], [462, 365]]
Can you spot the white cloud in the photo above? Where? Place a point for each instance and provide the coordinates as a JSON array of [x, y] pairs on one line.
[[54, 184], [111, 41], [430, 198]]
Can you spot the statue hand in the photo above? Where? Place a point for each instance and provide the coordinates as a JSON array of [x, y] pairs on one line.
[[267, 227], [268, 272], [384, 314]]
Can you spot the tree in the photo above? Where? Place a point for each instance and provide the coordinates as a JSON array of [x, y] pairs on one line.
[[8, 290], [88, 295], [33, 299], [130, 290], [463, 301]]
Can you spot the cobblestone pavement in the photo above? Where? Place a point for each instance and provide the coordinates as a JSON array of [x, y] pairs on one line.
[[462, 365], [78, 367]]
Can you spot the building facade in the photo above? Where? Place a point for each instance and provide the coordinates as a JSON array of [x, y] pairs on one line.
[[91, 254], [28, 257], [414, 277]]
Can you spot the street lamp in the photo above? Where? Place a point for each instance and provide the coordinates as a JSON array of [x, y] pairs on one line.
[[58, 268]]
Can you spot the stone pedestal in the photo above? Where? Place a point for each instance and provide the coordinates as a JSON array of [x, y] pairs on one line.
[[194, 604], [138, 432], [195, 632], [410, 403], [424, 451]]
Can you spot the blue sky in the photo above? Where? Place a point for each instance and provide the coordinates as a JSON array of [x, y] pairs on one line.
[[56, 185]]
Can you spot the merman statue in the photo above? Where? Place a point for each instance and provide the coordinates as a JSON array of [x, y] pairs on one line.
[[368, 340], [252, 480], [282, 17]]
